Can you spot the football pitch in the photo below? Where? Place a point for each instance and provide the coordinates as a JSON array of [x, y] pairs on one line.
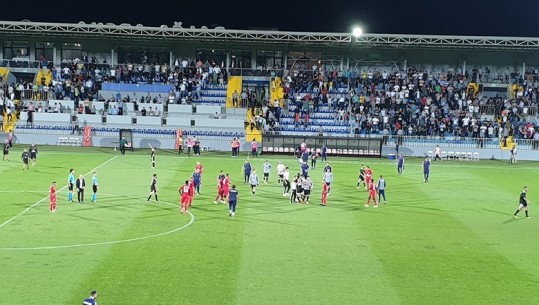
[[452, 240]]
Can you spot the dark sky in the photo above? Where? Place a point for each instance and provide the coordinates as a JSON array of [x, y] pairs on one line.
[[457, 17]]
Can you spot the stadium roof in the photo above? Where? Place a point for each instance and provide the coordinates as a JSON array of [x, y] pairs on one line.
[[336, 40]]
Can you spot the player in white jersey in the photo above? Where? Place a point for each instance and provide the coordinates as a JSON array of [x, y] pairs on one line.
[[280, 172], [286, 181]]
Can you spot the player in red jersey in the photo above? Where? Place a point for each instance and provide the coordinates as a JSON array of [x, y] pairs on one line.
[[199, 167], [226, 189], [185, 191], [220, 186], [52, 198], [368, 177], [191, 190], [372, 195], [325, 191]]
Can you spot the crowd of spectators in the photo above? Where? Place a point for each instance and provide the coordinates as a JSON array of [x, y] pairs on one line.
[[81, 80], [412, 103]]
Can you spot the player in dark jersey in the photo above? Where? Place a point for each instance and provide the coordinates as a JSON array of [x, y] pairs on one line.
[[33, 154], [6, 151], [523, 203], [153, 188], [426, 169], [25, 157], [152, 155], [91, 299], [361, 178]]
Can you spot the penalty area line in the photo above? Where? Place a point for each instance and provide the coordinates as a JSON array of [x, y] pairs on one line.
[[47, 197]]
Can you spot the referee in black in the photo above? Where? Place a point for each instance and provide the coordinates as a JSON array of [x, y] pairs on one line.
[[25, 156], [523, 203], [33, 154], [153, 188], [152, 155]]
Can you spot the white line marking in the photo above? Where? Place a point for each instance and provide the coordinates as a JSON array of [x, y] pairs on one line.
[[47, 197], [109, 242], [36, 192]]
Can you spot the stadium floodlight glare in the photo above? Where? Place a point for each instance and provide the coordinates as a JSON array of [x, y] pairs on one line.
[[357, 31]]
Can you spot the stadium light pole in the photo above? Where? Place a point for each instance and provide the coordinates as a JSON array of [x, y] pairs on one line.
[[356, 32]]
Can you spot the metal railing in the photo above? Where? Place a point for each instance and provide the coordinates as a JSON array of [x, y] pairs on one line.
[[457, 142]]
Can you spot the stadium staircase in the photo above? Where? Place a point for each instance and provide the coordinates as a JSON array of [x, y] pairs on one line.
[[255, 134], [277, 91], [4, 74], [43, 73], [234, 84], [10, 126]]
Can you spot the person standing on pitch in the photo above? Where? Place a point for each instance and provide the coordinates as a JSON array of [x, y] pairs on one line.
[[327, 180], [52, 197], [123, 145], [426, 169], [314, 156], [94, 187], [6, 151], [233, 199], [294, 186], [280, 172], [381, 186], [33, 154], [400, 164], [286, 181], [190, 144], [254, 148], [153, 188], [80, 184], [246, 169], [197, 180], [325, 192], [513, 157], [152, 155], [253, 181], [304, 169], [323, 152], [307, 185], [266, 167], [25, 157], [185, 192], [372, 195], [70, 185], [523, 203], [437, 153]]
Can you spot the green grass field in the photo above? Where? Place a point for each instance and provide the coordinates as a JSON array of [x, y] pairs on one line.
[[450, 241]]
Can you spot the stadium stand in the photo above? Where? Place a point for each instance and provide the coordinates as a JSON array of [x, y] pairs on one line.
[[421, 104]]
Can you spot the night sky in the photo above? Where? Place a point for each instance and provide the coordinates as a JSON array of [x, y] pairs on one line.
[[516, 18]]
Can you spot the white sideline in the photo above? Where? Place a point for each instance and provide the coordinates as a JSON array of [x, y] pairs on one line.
[[46, 197]]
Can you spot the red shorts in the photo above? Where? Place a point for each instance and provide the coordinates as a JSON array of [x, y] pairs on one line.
[[220, 193], [185, 199], [225, 192], [372, 193]]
